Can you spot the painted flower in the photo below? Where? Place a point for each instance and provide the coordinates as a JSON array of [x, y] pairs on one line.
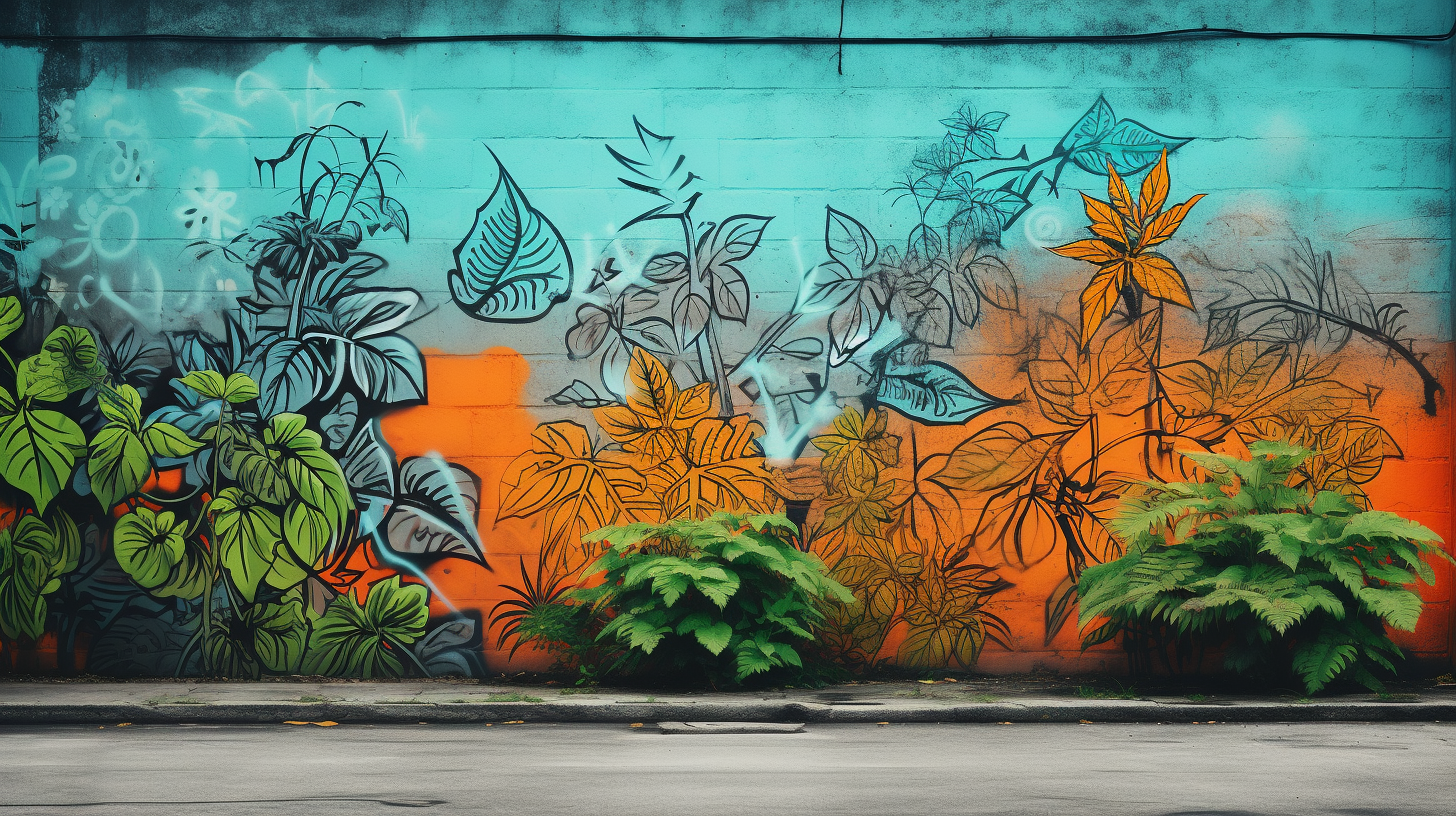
[[63, 124], [206, 211], [53, 202]]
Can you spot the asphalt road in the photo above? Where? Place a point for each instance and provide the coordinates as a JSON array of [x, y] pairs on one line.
[[604, 770]]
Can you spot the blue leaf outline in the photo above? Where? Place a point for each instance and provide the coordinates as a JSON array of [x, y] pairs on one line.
[[513, 266], [1099, 137], [934, 393]]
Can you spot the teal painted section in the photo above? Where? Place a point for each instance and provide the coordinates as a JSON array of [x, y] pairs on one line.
[[1320, 138]]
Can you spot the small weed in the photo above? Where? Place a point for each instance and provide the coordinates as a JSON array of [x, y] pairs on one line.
[[1094, 693], [914, 692], [173, 701], [513, 697], [1302, 701], [313, 698], [588, 690], [1197, 698]]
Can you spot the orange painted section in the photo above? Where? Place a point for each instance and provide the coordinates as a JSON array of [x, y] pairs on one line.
[[475, 417]]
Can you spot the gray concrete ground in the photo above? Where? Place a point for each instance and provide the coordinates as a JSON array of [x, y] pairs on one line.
[[985, 700], [602, 770]]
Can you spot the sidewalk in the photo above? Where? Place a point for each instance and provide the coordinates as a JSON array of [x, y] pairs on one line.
[[988, 700]]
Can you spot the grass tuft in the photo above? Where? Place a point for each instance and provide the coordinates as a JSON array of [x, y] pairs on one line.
[[512, 697], [1094, 693]]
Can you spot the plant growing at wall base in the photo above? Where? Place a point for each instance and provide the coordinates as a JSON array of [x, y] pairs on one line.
[[728, 595], [1284, 578]]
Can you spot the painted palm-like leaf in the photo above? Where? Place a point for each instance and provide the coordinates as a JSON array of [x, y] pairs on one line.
[[514, 265], [436, 510]]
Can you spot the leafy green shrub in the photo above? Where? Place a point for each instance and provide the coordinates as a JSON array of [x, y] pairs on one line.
[[1282, 578], [725, 596]]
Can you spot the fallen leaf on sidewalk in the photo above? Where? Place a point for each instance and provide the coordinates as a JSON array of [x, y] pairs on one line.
[[122, 725], [512, 722], [321, 723], [928, 682], [635, 725]]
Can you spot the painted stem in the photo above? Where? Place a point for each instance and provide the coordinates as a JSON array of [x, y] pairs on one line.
[[295, 313], [1429, 383], [212, 560], [709, 355]]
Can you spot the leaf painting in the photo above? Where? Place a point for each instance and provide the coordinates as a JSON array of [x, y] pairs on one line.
[[722, 468], [39, 449], [435, 510], [652, 167], [1126, 231], [1100, 140], [657, 415], [513, 266], [578, 487], [933, 393]]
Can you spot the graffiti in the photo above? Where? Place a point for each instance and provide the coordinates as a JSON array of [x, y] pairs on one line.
[[213, 505], [202, 475], [206, 214], [921, 532], [214, 122]]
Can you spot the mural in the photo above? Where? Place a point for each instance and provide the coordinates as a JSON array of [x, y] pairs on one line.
[[205, 505], [212, 479]]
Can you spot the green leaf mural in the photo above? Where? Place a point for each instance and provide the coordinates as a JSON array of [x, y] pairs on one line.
[[11, 316], [39, 448], [118, 464], [149, 545], [366, 641], [29, 555], [248, 535]]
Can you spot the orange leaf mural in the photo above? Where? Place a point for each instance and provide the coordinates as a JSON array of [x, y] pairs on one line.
[[1125, 231], [721, 469], [578, 488], [666, 458], [657, 415]]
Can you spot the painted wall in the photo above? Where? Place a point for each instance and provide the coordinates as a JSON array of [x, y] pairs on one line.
[[587, 282]]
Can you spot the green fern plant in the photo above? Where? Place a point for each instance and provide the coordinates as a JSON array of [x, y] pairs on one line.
[[1282, 578], [728, 596]]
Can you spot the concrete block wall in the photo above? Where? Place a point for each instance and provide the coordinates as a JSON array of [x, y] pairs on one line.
[[132, 138]]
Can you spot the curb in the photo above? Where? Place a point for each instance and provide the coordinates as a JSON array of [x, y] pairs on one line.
[[1132, 711]]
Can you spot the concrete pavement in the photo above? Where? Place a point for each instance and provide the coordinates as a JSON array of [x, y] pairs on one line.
[[990, 700], [834, 770]]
